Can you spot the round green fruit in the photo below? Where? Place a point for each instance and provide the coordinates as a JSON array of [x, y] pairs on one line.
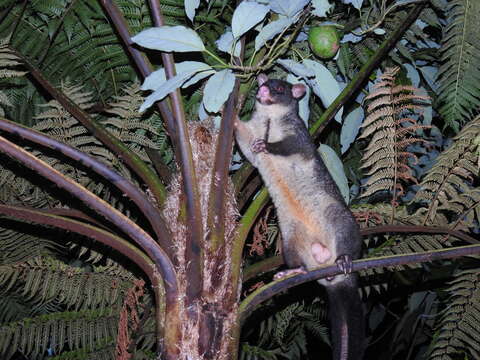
[[324, 41]]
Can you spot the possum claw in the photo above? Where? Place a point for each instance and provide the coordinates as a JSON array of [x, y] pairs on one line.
[[344, 263], [259, 145]]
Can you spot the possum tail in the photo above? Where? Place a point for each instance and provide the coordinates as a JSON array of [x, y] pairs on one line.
[[346, 319]]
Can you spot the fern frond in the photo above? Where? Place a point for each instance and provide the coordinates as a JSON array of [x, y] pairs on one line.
[[18, 247], [452, 176], [392, 132], [9, 65], [459, 74], [129, 126], [458, 329], [45, 279], [34, 336]]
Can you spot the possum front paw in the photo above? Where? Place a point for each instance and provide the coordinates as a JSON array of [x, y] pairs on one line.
[[344, 263], [259, 145]]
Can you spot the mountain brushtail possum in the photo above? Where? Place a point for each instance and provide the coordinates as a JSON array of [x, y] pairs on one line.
[[316, 225]]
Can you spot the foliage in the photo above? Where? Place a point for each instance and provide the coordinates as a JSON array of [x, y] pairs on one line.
[[458, 91], [390, 119], [456, 333], [69, 297]]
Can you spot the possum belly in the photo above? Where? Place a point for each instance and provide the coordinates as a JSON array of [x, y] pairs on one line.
[[307, 238]]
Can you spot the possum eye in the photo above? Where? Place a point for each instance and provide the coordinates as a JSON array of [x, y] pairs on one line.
[[279, 89]]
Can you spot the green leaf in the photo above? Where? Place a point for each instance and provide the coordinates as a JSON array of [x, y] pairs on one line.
[[296, 68], [169, 38], [157, 78], [324, 85], [217, 90], [246, 16], [288, 8], [190, 8], [335, 168], [225, 44], [321, 7], [350, 128], [270, 31], [166, 88]]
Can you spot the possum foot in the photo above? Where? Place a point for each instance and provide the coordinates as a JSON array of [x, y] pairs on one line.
[[259, 145], [289, 272], [344, 263]]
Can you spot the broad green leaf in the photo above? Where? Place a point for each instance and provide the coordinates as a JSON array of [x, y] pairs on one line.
[[350, 128], [169, 38], [357, 4], [225, 44], [246, 16], [288, 8], [321, 7], [270, 31], [166, 88], [191, 7], [324, 85], [157, 78], [217, 90], [296, 68], [335, 168]]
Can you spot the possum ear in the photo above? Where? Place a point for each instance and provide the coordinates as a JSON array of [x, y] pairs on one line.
[[298, 90], [262, 79]]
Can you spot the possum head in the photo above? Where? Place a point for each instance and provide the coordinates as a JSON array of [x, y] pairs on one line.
[[278, 92]]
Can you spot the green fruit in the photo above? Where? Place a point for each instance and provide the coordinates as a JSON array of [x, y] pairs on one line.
[[324, 41]]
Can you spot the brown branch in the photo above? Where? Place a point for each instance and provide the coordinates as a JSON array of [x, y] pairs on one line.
[[276, 287], [74, 214], [141, 63], [162, 170], [219, 184], [262, 266], [152, 213], [273, 262], [98, 131], [417, 229], [39, 217], [126, 225], [193, 251]]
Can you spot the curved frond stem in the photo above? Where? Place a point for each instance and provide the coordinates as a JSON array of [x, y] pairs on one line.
[[42, 218], [248, 219], [268, 291], [98, 131], [151, 212], [75, 215], [144, 67], [105, 237], [383, 229], [270, 263], [262, 266], [358, 80], [219, 184], [145, 242], [183, 150], [223, 153]]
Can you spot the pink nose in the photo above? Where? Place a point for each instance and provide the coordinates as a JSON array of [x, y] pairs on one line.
[[263, 91]]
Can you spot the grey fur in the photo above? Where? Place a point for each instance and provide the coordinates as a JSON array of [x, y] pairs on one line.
[[316, 225]]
